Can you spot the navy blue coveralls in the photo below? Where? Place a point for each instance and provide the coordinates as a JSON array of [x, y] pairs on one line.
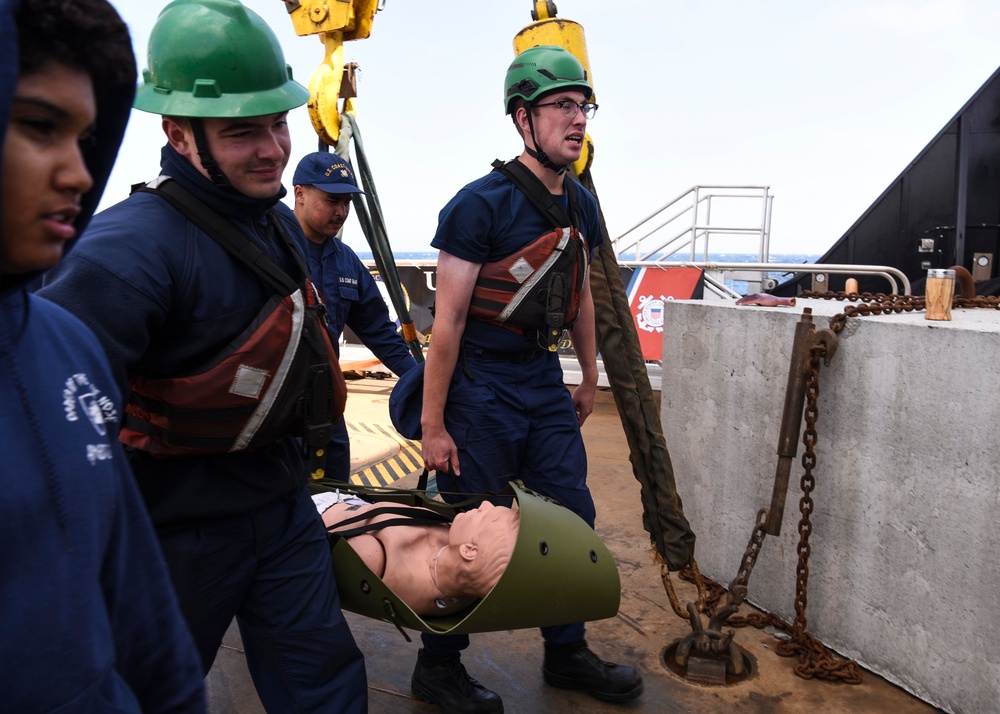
[[239, 531], [353, 299], [508, 409]]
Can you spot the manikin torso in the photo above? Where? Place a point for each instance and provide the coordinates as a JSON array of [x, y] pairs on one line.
[[419, 562]]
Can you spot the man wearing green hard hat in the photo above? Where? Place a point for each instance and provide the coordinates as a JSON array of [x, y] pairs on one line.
[[512, 274], [197, 288]]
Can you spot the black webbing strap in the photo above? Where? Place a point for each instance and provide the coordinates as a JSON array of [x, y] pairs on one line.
[[536, 192], [418, 497], [172, 411], [223, 232], [409, 517], [574, 204], [300, 263], [210, 443]]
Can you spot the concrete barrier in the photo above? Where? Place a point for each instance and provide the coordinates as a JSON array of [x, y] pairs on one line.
[[905, 566]]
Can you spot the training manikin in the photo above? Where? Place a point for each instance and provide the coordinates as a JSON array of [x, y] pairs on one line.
[[435, 568]]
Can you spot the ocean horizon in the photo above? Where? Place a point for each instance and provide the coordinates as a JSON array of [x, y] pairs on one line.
[[713, 257], [739, 286]]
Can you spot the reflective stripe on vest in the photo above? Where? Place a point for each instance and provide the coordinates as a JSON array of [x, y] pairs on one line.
[[278, 380], [247, 396], [514, 293]]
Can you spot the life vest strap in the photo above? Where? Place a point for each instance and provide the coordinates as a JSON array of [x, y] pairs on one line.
[[227, 235], [533, 188], [172, 411], [173, 442]]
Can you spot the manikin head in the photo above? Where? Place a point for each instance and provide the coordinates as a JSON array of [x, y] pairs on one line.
[[483, 539]]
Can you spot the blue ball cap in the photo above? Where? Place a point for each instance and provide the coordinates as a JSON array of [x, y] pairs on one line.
[[327, 172]]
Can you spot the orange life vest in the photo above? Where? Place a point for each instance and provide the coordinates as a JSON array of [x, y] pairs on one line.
[[258, 390], [280, 377], [539, 287]]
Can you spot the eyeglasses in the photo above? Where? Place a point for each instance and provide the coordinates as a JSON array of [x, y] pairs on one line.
[[569, 108]]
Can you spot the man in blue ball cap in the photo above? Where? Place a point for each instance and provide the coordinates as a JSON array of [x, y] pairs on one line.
[[324, 185]]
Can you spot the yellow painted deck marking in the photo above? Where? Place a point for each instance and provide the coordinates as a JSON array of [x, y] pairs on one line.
[[407, 460]]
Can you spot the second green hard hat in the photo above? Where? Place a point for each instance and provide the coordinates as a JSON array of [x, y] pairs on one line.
[[542, 69]]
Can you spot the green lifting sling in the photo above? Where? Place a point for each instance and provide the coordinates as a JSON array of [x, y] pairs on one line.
[[559, 573]]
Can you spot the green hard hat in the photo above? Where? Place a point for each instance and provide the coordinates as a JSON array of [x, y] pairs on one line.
[[215, 58], [542, 69]]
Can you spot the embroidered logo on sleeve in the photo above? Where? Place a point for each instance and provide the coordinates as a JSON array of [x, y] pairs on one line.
[[82, 398]]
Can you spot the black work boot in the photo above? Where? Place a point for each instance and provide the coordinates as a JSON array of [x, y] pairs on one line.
[[574, 666], [442, 680]]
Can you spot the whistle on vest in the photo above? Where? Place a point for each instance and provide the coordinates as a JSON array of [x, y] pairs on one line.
[[555, 310]]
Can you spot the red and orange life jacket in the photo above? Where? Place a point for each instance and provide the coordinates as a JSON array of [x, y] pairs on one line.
[[257, 391], [536, 287], [539, 287], [280, 377]]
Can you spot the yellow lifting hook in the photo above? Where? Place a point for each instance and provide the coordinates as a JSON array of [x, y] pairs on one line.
[[336, 22]]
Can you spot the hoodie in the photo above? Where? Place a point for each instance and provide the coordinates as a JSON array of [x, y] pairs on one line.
[[88, 618]]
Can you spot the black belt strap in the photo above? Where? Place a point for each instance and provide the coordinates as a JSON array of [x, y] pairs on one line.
[[498, 356]]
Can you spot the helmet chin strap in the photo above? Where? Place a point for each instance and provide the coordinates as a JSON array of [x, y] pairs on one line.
[[540, 156], [209, 164]]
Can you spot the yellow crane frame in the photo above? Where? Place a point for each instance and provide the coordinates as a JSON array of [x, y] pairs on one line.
[[336, 22]]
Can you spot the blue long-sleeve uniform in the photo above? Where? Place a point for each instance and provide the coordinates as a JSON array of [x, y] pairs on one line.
[[87, 611], [353, 300], [238, 530]]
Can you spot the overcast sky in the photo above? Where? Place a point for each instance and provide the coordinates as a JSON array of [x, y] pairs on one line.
[[825, 103]]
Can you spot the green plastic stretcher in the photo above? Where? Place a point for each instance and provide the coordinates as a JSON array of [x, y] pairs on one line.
[[559, 573]]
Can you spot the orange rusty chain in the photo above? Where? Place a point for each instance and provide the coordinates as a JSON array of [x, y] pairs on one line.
[[815, 659]]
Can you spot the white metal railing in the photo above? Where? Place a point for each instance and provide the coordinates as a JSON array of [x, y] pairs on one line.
[[686, 223], [757, 278]]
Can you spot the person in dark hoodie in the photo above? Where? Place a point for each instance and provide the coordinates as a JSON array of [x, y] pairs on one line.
[[89, 620], [169, 304]]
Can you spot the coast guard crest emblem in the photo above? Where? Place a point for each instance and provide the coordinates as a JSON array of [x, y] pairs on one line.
[[650, 315]]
